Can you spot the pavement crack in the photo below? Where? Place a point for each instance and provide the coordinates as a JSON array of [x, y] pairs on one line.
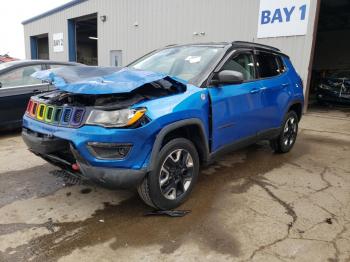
[[328, 184], [289, 211], [300, 166], [264, 215], [335, 245], [328, 132], [333, 216], [310, 239]]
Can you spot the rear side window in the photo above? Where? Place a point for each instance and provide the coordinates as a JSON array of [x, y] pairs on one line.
[[267, 65], [281, 66]]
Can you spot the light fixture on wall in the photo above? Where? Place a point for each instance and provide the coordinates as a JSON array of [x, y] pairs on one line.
[[93, 38], [103, 18]]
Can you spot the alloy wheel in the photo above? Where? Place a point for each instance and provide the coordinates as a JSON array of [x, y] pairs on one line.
[[290, 131], [176, 174]]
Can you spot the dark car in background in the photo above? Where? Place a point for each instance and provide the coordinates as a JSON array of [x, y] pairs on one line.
[[17, 86], [334, 88]]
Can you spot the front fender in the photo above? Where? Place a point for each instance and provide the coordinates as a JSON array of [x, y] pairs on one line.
[[160, 137]]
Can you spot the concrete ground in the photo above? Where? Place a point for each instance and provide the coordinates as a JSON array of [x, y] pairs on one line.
[[252, 205]]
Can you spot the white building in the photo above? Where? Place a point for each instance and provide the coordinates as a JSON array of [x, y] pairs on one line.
[[115, 32]]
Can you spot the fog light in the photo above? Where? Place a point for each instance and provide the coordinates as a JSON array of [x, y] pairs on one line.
[[109, 150]]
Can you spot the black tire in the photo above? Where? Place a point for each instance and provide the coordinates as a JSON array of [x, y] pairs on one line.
[[289, 131], [156, 195]]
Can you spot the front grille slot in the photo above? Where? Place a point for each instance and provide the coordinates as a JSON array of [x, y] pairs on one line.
[[49, 113], [66, 115], [41, 111], [58, 113], [34, 108], [77, 116], [29, 106]]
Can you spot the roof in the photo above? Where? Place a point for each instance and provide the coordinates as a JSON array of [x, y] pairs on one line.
[[219, 44], [254, 45], [19, 63], [235, 44], [257, 47], [53, 11], [6, 58]]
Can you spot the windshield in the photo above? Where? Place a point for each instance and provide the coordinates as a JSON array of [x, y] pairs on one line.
[[184, 62]]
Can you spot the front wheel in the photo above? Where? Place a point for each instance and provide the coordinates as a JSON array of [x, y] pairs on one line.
[[172, 180], [285, 141]]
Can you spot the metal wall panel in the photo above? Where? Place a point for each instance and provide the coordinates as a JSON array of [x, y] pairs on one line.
[[164, 22]]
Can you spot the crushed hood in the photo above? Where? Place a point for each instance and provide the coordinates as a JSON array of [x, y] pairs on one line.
[[98, 80]]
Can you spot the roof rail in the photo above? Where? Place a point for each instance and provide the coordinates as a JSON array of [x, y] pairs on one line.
[[251, 44]]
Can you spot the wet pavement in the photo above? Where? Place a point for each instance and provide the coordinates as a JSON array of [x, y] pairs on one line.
[[249, 205]]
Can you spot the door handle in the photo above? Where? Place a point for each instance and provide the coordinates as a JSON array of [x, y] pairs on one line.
[[285, 84], [254, 91], [36, 91]]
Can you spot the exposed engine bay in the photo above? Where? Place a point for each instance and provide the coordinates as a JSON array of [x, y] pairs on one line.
[[98, 87], [160, 88]]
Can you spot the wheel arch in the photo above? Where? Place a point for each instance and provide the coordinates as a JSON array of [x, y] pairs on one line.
[[182, 128], [297, 107]]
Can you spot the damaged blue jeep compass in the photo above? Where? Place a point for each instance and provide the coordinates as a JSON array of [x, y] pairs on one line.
[[152, 124]]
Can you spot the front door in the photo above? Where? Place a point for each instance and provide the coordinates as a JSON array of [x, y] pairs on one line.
[[236, 108]]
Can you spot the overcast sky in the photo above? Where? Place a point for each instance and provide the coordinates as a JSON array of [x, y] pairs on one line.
[[12, 13]]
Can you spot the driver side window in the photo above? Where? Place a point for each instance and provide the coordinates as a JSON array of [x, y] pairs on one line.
[[20, 77], [243, 63]]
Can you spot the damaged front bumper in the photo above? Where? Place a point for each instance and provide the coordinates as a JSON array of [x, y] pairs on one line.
[[64, 147]]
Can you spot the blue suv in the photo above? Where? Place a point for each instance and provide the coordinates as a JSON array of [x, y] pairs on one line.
[[152, 124]]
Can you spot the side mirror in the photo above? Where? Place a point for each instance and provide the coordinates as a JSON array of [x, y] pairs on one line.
[[228, 77]]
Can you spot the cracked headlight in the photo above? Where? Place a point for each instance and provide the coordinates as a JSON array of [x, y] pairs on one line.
[[116, 118]]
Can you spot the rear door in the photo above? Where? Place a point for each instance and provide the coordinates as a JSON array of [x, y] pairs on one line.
[[275, 92], [236, 109], [17, 86]]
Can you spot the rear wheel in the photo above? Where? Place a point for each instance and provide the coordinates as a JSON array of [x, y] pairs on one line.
[[176, 172], [285, 141]]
